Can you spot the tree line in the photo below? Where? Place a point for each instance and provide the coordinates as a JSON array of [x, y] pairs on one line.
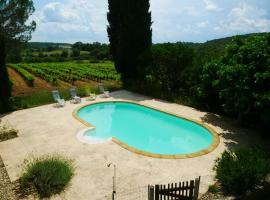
[[35, 52]]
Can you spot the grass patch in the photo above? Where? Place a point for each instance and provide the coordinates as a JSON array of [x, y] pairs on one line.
[[32, 100], [45, 97], [49, 174], [6, 132]]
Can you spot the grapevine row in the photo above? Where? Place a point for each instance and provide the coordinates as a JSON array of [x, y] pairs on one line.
[[29, 78], [71, 71]]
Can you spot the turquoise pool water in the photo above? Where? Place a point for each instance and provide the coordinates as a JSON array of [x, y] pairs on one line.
[[144, 128]]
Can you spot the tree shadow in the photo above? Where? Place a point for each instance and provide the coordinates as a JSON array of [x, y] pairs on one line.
[[232, 134], [262, 192], [4, 114], [131, 96]]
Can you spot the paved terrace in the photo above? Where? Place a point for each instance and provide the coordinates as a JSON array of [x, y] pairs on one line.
[[47, 129]]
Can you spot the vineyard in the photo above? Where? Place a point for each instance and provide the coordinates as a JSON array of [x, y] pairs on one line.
[[67, 71], [29, 78]]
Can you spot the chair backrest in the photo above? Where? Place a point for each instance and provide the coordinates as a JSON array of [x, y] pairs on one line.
[[101, 88], [73, 92], [56, 95]]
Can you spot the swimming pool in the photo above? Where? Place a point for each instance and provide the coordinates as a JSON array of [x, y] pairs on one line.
[[147, 131]]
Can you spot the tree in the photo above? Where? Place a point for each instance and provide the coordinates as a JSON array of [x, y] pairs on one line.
[[172, 66], [64, 53], [130, 37], [77, 45], [14, 55], [13, 29], [241, 80], [76, 52]]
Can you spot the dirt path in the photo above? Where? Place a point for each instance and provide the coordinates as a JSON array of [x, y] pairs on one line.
[[21, 88]]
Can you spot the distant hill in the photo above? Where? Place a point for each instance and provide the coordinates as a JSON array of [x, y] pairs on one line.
[[215, 48], [228, 39], [217, 43], [45, 45], [204, 52]]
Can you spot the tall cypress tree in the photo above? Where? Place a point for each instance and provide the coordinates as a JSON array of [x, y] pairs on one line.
[[130, 37], [13, 16]]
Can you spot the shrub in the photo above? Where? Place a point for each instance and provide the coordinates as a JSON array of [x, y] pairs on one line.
[[7, 133], [242, 170], [214, 189], [48, 174]]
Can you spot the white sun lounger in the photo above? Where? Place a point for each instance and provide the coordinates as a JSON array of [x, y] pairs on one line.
[[56, 96], [74, 96], [104, 94]]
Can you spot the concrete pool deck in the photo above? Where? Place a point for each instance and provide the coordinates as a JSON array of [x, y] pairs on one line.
[[46, 129]]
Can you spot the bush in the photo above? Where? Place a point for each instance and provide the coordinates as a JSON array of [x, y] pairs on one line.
[[242, 170], [49, 174]]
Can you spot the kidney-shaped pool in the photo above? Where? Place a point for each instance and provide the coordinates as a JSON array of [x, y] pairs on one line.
[[146, 130]]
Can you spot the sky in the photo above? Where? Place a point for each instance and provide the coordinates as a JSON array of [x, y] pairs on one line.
[[173, 20]]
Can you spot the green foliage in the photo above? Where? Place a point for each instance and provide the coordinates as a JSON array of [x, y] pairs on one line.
[[48, 174], [37, 52], [71, 71], [173, 66], [214, 189], [13, 16], [29, 78], [242, 170], [96, 50], [245, 75], [14, 54], [172, 76], [213, 49], [208, 91], [64, 53], [130, 37], [6, 132], [76, 52], [33, 100], [240, 80]]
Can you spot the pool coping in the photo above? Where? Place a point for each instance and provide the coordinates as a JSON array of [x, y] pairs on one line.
[[212, 147]]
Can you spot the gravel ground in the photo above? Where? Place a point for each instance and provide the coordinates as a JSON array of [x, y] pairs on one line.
[[211, 196], [6, 187]]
